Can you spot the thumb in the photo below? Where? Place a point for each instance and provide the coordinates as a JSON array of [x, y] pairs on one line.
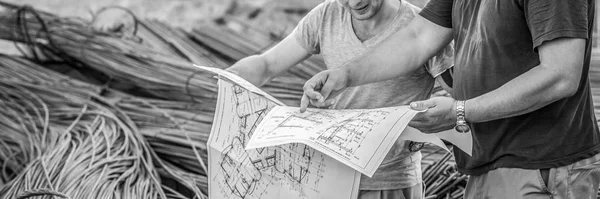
[[422, 105]]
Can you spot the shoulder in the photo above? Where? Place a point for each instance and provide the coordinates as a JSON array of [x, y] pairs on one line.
[[328, 7], [406, 14], [327, 15], [409, 10]]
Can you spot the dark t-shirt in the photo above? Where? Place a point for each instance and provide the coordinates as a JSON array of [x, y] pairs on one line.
[[496, 41]]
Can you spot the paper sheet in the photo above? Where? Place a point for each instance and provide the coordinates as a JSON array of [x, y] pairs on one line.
[[240, 82], [292, 171], [463, 141], [359, 138]]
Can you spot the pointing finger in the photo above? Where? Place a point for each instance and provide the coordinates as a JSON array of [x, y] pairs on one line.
[[304, 103]]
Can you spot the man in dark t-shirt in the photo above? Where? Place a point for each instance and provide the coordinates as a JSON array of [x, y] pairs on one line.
[[520, 85]]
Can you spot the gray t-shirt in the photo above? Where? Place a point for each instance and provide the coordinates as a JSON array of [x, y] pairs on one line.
[[328, 30]]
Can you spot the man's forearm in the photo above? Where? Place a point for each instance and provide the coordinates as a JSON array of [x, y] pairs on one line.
[[253, 69]]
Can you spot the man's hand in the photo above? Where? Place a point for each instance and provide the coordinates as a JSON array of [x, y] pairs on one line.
[[321, 89], [440, 115]]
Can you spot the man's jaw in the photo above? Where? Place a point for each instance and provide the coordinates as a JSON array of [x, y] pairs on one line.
[[361, 10]]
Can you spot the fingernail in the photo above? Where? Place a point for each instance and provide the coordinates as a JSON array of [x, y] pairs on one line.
[[412, 104], [332, 102]]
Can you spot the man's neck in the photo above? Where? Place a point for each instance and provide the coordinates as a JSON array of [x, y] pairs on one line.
[[365, 29]]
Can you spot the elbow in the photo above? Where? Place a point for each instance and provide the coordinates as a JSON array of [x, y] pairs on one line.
[[567, 86], [560, 82], [570, 90]]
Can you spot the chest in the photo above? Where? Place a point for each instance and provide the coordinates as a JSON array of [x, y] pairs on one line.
[[483, 27], [340, 42], [341, 45], [482, 19], [364, 34]]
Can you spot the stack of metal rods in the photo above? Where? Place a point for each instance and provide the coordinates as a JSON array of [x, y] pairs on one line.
[[442, 179], [234, 46], [159, 122], [179, 42], [124, 61], [75, 145]]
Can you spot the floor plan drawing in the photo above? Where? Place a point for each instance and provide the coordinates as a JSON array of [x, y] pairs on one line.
[[240, 180], [360, 138], [285, 171], [349, 134], [346, 135]]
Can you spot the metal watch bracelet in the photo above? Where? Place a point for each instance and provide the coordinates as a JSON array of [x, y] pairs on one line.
[[461, 122]]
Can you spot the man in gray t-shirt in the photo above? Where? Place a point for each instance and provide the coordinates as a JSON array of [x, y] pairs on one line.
[[340, 31]]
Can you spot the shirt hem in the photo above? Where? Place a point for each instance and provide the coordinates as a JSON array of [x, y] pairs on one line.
[[429, 15], [303, 43], [435, 74], [570, 33], [383, 188]]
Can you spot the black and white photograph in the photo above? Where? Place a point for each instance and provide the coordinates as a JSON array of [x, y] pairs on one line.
[[299, 99]]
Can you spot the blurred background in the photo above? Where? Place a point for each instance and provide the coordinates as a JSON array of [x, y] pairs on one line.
[[190, 13], [275, 16]]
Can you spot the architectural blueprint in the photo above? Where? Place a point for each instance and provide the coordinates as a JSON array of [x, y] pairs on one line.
[[260, 148], [293, 171], [360, 138]]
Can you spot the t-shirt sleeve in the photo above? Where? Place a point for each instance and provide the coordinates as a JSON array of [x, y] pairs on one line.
[[443, 61], [439, 12], [551, 19], [308, 30]]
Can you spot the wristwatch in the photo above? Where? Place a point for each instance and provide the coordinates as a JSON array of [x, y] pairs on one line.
[[461, 122]]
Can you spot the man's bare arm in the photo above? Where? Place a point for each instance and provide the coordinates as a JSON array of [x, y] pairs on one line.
[[260, 69], [400, 54], [557, 77]]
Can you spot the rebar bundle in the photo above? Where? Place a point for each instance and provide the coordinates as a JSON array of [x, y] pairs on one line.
[[442, 179]]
